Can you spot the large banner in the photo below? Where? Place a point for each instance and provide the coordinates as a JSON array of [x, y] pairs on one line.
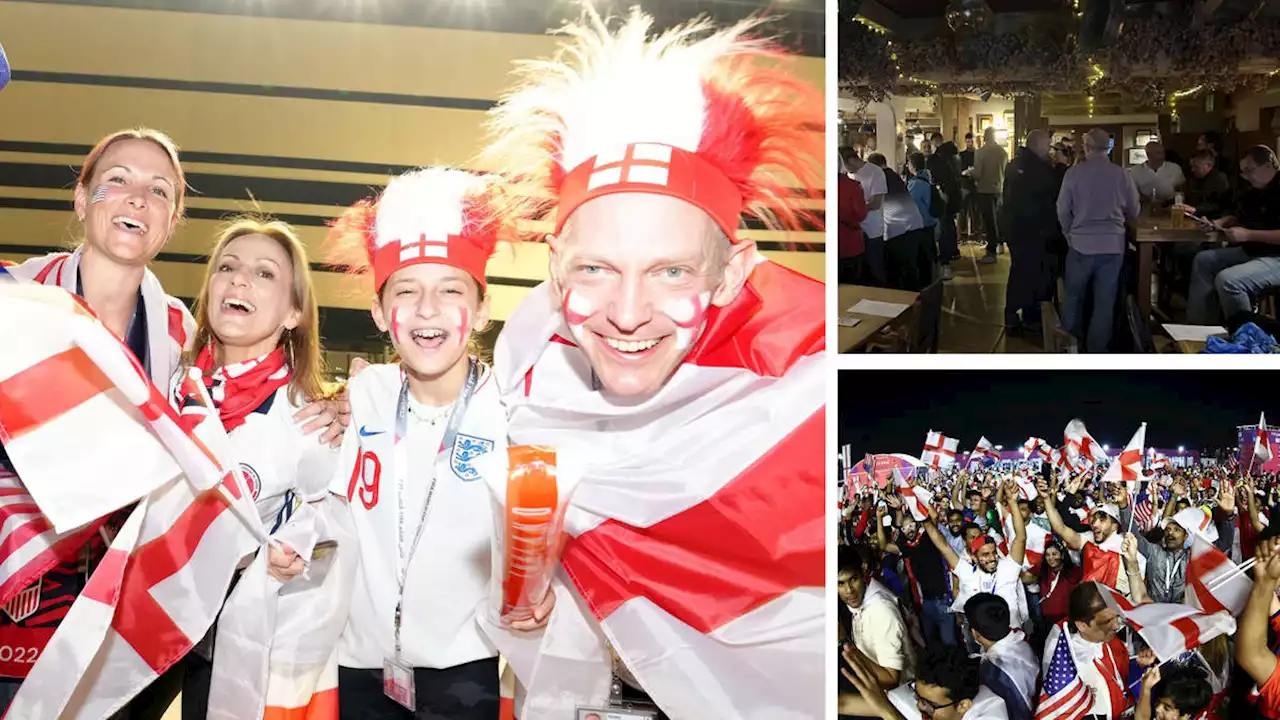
[[1012, 459]]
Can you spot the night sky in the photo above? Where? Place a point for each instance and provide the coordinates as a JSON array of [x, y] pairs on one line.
[[890, 411]]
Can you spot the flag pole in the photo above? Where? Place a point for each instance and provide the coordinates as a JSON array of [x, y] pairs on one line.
[[1232, 574]]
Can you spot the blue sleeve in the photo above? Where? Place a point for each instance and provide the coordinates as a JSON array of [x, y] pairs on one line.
[[920, 193]]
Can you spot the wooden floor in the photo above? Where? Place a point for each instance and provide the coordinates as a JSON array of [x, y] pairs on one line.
[[973, 308]]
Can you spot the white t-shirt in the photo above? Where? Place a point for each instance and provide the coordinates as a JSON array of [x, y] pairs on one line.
[[449, 575], [879, 632], [1164, 181], [871, 177], [1005, 582], [901, 216]]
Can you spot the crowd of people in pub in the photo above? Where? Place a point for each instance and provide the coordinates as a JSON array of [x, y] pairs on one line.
[[1063, 211]]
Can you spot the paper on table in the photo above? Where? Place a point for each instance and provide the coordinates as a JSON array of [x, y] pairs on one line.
[[1197, 333], [879, 308]]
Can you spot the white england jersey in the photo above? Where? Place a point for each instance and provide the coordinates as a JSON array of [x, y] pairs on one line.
[[449, 574], [281, 466]]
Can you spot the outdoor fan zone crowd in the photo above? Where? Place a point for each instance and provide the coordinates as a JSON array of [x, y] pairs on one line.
[[1059, 596]]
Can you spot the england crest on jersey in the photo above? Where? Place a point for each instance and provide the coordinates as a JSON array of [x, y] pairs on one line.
[[466, 449]]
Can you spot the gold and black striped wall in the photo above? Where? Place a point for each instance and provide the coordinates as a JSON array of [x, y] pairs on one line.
[[298, 114]]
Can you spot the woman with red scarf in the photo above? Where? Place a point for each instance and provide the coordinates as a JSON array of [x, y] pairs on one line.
[[258, 352]]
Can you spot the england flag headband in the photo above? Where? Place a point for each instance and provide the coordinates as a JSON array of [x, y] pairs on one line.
[[711, 118]]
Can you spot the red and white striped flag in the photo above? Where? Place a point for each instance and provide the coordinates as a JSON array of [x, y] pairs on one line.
[[1064, 696], [1169, 629], [1214, 584], [710, 591], [29, 547], [1159, 461], [1080, 447], [1143, 511], [939, 451]]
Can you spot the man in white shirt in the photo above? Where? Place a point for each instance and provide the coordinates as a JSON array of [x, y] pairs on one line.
[[988, 571], [948, 688], [1155, 176], [874, 188], [877, 632]]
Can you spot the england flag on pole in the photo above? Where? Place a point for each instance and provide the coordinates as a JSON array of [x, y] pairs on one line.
[[1214, 583], [1169, 629], [1064, 695], [1080, 447], [1128, 467], [1262, 440], [915, 499], [984, 452], [1037, 446], [939, 451]]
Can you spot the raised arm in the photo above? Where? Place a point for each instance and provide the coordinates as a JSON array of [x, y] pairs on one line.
[[1018, 549], [882, 539], [1137, 586], [1252, 652], [1072, 538], [941, 543]]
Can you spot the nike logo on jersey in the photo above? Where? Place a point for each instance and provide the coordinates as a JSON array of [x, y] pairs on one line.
[[366, 433]]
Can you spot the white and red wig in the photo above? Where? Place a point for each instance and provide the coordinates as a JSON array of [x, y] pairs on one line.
[[429, 215], [712, 118]]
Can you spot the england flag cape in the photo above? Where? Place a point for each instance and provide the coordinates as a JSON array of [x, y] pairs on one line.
[[276, 653], [695, 539], [169, 324]]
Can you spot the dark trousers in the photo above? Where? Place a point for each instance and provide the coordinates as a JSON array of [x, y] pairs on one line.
[[463, 692], [948, 239], [877, 272], [987, 205], [195, 687], [850, 270], [903, 256]]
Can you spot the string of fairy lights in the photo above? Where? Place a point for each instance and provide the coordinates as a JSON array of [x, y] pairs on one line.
[[1096, 71]]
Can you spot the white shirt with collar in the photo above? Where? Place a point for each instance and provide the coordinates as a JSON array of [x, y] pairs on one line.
[[1164, 180]]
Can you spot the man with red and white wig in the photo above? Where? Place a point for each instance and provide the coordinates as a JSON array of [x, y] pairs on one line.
[[680, 366]]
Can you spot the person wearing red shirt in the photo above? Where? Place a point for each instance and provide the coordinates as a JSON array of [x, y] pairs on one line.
[[853, 210]]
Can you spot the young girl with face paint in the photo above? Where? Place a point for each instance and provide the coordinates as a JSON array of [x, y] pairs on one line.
[[257, 347], [427, 433]]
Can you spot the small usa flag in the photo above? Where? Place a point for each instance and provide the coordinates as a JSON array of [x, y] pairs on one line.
[[1064, 696]]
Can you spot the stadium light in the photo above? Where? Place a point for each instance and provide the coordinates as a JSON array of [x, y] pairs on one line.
[[999, 447], [1181, 449], [1106, 446]]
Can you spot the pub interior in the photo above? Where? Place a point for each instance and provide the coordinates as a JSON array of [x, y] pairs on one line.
[[1088, 175]]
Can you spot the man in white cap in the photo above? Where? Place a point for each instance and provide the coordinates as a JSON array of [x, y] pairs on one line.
[[1099, 547], [1167, 559]]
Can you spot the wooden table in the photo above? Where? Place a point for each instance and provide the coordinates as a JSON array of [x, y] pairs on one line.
[[1159, 230], [853, 338]]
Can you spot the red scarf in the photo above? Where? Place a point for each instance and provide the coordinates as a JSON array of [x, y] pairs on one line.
[[241, 388]]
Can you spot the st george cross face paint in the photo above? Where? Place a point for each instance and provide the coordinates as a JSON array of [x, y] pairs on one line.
[[577, 308], [689, 314], [395, 325]]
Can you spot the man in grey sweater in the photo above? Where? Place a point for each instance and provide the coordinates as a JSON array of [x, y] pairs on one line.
[[989, 163], [1096, 200]]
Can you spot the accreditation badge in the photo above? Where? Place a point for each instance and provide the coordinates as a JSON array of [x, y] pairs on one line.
[[397, 683]]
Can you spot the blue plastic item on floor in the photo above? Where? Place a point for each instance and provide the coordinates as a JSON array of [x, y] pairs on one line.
[[1249, 339]]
